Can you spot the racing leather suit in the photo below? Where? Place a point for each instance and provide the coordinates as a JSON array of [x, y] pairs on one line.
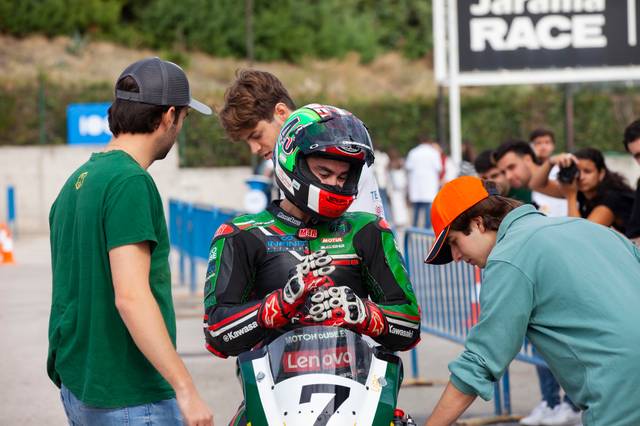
[[252, 255]]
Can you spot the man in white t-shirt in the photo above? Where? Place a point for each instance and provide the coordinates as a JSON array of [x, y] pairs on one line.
[[423, 166], [256, 105]]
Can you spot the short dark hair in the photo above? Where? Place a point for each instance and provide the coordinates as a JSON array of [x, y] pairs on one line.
[[631, 134], [426, 138], [520, 148], [537, 133], [251, 98], [492, 210], [135, 117], [484, 161]]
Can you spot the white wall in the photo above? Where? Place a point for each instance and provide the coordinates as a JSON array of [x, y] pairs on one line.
[[625, 165], [37, 173]]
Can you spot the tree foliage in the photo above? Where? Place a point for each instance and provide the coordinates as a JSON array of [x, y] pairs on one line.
[[489, 116], [287, 30]]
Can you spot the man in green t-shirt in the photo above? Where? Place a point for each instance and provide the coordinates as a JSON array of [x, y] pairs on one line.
[[112, 325]]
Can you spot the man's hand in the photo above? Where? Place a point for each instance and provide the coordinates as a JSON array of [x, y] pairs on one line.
[[451, 405], [281, 306], [341, 307], [194, 410], [139, 310], [563, 160], [570, 190]]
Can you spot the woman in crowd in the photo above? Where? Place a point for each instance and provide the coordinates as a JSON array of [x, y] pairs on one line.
[[596, 193]]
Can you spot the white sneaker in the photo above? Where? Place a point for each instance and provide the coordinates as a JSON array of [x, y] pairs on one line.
[[540, 412], [562, 415]]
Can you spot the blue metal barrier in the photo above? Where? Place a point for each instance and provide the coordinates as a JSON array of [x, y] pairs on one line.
[[11, 208], [191, 228], [448, 296]]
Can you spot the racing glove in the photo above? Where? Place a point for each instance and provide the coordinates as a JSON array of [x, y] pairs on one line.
[[341, 307], [282, 305]]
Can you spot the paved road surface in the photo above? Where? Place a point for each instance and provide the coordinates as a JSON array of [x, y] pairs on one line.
[[29, 398]]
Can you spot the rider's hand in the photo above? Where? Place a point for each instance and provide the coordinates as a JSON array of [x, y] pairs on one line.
[[194, 410], [307, 276], [341, 307], [281, 306]]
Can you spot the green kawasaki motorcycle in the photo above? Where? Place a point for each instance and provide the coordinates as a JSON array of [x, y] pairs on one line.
[[322, 376]]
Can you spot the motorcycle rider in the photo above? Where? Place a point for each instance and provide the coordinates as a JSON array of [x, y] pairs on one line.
[[264, 268]]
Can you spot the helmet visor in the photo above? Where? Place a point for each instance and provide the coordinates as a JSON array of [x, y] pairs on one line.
[[341, 138]]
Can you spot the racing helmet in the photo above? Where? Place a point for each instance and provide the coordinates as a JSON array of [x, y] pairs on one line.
[[328, 132]]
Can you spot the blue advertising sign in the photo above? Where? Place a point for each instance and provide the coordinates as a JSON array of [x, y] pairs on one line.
[[88, 123]]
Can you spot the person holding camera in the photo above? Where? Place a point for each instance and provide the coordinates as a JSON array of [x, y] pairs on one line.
[[592, 190]]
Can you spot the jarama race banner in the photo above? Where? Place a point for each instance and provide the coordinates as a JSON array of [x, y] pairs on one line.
[[542, 34]]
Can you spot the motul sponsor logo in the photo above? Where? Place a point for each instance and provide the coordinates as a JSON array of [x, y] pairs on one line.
[[400, 332], [332, 240], [327, 359], [237, 333]]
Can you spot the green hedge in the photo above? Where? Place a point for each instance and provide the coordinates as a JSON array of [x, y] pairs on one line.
[[489, 117], [283, 30]]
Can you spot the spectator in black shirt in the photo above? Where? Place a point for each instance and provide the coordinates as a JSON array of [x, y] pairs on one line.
[[602, 196]]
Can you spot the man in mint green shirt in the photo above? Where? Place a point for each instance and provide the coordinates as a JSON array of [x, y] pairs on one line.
[[112, 326], [570, 286]]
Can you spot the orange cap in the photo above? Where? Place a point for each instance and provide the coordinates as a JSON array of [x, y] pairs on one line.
[[452, 200]]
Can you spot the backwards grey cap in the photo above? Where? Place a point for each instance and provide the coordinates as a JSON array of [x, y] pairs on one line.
[[160, 83]]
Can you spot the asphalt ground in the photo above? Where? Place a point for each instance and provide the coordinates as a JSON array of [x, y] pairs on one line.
[[30, 398]]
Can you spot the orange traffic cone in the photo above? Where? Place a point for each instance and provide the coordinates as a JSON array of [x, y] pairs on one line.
[[6, 246]]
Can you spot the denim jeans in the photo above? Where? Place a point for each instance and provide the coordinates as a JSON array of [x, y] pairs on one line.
[[417, 207], [161, 413]]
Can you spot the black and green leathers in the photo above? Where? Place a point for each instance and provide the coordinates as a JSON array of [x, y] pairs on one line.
[[253, 256]]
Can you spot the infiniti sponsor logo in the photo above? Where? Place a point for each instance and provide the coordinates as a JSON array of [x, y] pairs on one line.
[[241, 331]]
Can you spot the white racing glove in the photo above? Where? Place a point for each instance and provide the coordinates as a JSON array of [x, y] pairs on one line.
[[341, 307], [281, 306]]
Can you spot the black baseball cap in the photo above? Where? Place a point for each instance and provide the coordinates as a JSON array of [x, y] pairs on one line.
[[160, 83]]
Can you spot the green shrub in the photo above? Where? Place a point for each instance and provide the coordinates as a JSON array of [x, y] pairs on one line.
[[287, 30], [489, 116]]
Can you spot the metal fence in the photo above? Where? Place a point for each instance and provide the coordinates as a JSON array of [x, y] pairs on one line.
[[447, 294], [191, 228], [449, 298]]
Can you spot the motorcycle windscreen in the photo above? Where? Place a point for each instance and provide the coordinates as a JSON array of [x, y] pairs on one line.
[[320, 350]]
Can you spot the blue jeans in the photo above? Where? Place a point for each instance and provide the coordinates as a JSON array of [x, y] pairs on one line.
[[417, 207], [161, 413]]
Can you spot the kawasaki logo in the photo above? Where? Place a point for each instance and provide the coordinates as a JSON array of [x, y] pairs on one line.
[[237, 333], [400, 332]]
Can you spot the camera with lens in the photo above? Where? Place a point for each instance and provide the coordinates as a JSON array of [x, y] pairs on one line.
[[568, 174]]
